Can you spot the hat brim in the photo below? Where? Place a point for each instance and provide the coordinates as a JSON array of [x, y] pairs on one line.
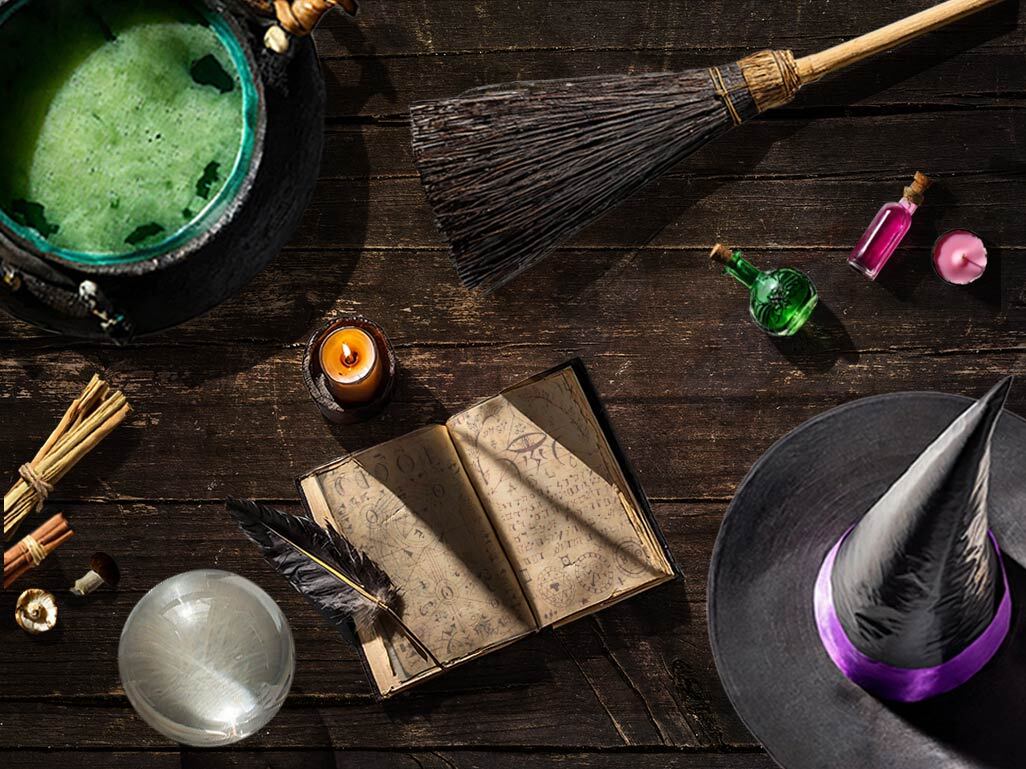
[[790, 509]]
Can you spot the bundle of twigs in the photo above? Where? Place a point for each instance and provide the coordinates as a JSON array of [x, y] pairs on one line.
[[512, 170], [31, 550], [88, 420]]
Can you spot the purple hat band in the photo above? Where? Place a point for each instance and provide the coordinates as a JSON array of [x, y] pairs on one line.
[[905, 684]]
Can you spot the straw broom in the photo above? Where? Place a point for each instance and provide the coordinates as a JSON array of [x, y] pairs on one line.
[[89, 419], [512, 170]]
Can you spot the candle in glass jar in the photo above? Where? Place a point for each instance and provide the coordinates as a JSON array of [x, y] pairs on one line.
[[959, 257], [353, 366]]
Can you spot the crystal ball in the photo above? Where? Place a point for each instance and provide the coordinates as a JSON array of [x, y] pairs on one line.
[[206, 658]]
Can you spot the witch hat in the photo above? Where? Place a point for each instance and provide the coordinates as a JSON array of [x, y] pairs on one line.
[[860, 607], [912, 602]]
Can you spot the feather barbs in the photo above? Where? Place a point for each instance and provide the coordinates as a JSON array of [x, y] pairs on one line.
[[342, 581]]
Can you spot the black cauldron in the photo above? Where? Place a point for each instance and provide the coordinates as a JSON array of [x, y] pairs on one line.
[[121, 300]]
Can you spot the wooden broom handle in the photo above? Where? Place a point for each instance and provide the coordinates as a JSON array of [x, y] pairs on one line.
[[813, 67]]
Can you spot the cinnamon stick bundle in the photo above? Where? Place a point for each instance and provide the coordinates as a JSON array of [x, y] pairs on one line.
[[31, 550], [91, 416]]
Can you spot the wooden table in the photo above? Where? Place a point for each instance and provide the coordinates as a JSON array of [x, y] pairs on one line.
[[694, 390]]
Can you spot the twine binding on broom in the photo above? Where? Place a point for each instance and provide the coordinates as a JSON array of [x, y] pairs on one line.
[[772, 78], [725, 94]]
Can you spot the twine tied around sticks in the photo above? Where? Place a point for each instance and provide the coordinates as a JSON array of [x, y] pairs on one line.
[[788, 71], [34, 549], [36, 482], [88, 420], [724, 93], [772, 78]]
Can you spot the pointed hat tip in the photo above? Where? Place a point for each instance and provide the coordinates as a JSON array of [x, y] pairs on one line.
[[985, 412], [995, 398], [1003, 386]]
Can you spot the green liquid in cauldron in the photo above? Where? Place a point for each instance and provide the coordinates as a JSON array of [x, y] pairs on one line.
[[121, 120]]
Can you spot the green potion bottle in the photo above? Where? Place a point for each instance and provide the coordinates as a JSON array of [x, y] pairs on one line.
[[780, 300]]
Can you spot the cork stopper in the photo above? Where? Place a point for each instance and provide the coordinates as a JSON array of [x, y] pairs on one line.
[[720, 254], [914, 192]]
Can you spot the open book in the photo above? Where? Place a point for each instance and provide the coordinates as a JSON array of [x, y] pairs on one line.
[[515, 515]]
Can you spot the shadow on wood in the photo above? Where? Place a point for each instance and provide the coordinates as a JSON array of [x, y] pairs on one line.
[[671, 196], [293, 314], [983, 719], [413, 406], [878, 74], [819, 344], [321, 756]]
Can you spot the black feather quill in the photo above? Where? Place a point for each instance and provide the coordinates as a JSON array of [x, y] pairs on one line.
[[343, 582]]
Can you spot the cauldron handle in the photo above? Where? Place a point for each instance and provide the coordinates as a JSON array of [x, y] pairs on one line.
[[62, 295]]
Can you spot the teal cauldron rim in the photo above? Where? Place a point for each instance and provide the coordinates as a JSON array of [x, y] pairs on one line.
[[210, 213]]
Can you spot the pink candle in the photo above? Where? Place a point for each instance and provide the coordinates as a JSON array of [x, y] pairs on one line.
[[959, 257]]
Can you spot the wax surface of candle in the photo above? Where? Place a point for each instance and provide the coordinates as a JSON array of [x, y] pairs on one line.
[[959, 257], [352, 366], [122, 119]]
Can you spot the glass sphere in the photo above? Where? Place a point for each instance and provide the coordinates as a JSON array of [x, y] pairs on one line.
[[206, 658]]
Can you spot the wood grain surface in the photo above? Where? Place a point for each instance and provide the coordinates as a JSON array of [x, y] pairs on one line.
[[695, 392]]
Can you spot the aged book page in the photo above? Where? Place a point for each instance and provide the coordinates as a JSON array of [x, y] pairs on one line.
[[556, 496], [410, 506]]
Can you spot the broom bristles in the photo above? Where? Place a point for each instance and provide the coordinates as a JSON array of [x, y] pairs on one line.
[[513, 170]]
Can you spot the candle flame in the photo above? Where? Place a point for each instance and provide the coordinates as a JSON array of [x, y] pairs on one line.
[[349, 357]]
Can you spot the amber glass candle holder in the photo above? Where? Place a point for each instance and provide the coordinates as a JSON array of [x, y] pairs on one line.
[[349, 399]]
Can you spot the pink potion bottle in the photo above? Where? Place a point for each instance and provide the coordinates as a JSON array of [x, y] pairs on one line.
[[887, 229]]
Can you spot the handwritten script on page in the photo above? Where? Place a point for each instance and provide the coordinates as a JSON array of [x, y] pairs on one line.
[[410, 506], [549, 483]]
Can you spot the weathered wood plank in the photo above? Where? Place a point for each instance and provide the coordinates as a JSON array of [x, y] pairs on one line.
[[434, 724], [641, 671], [759, 181], [328, 758], [668, 296], [414, 50], [421, 27], [220, 429], [666, 339], [495, 720], [695, 392], [679, 211], [382, 88], [877, 149]]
